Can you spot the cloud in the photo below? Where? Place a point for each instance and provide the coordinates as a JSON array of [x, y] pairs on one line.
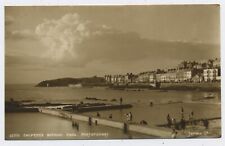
[[17, 34], [20, 34], [74, 42], [63, 36], [130, 47], [12, 60], [9, 20]]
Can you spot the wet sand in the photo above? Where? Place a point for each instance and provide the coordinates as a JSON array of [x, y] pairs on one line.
[[156, 115]]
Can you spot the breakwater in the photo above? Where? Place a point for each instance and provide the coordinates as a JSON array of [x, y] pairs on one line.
[[153, 131]]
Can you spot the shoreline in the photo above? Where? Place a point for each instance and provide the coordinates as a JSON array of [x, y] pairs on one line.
[[204, 86]]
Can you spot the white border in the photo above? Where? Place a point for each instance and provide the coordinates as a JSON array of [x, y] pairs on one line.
[[161, 142], [106, 2]]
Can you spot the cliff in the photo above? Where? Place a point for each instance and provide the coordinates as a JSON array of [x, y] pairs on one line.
[[91, 81]]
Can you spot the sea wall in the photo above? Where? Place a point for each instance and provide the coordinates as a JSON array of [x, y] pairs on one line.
[[205, 86]]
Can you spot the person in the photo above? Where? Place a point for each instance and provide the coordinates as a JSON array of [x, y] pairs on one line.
[[182, 109], [121, 100], [73, 123], [151, 103], [98, 115], [110, 116], [77, 126], [127, 117], [174, 122], [89, 121], [143, 122], [192, 117], [192, 113], [130, 116], [182, 113], [125, 128], [206, 123], [169, 122], [174, 134], [182, 123]]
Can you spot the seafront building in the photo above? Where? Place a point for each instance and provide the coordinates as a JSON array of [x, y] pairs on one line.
[[146, 77], [120, 78], [185, 72], [184, 75], [211, 74]]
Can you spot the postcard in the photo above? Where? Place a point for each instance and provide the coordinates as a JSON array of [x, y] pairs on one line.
[[112, 72]]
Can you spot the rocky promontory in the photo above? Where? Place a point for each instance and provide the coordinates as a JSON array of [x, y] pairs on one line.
[[63, 82]]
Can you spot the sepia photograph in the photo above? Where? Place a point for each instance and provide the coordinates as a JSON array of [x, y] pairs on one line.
[[112, 72]]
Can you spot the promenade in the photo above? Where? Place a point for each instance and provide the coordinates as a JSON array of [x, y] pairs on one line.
[[153, 131]]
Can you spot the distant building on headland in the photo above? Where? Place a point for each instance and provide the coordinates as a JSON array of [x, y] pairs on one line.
[[75, 85], [186, 71]]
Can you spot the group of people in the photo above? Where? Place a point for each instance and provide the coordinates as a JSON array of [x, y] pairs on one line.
[[75, 125], [129, 116], [172, 123], [98, 115], [181, 125]]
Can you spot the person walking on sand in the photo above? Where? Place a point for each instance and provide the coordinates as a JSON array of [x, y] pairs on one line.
[[192, 117], [174, 134], [151, 104], [182, 113], [127, 117], [98, 115], [174, 123], [182, 124], [206, 123], [121, 100], [110, 116], [182, 109], [169, 121], [130, 116], [192, 113]]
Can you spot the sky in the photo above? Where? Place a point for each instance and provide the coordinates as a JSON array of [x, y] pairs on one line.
[[43, 42]]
